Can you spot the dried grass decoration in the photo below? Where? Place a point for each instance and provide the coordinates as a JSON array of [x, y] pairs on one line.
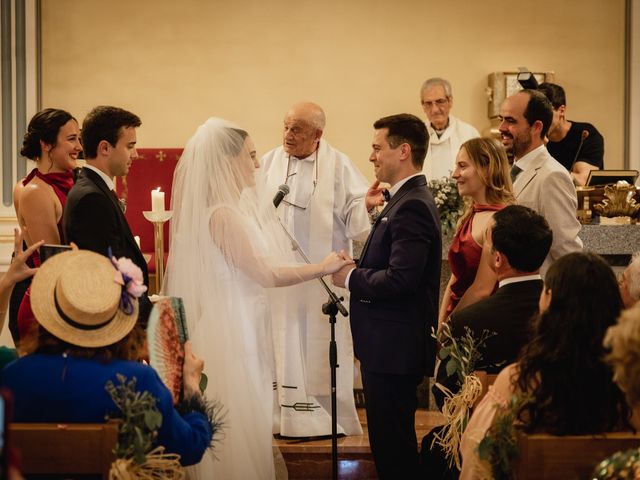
[[135, 458], [462, 355]]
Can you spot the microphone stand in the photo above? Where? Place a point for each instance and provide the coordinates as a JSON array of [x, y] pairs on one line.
[[330, 308]]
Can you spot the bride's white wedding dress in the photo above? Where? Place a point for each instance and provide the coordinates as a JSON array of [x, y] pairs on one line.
[[232, 335], [223, 243]]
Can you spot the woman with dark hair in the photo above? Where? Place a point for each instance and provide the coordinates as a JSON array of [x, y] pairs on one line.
[[562, 369], [482, 175], [53, 142]]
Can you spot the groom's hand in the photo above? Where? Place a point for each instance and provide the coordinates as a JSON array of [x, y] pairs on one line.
[[374, 197], [340, 276]]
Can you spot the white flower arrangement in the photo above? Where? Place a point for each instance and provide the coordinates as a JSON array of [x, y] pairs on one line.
[[449, 202]]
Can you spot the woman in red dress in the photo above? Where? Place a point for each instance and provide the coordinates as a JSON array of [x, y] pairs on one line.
[[53, 142], [482, 176]]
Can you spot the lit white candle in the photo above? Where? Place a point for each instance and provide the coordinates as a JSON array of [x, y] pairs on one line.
[[137, 239], [157, 200]]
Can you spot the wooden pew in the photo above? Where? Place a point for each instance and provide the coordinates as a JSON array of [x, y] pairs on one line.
[[486, 379], [567, 457], [76, 449]]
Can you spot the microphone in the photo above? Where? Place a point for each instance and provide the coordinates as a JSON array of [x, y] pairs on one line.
[[283, 190], [583, 137]]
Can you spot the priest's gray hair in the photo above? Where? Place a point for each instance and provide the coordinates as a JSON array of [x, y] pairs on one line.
[[434, 82], [317, 117]]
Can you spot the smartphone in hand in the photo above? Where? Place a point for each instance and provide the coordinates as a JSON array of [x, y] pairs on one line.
[[48, 250]]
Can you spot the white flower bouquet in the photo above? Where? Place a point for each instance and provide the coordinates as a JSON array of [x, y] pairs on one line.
[[449, 202]]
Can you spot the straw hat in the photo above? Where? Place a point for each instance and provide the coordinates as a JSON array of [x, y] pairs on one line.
[[75, 297]]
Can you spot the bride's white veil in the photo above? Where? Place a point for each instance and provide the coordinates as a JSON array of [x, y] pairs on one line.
[[216, 178], [225, 238]]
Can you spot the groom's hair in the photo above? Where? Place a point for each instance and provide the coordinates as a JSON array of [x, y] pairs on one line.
[[406, 128], [105, 123]]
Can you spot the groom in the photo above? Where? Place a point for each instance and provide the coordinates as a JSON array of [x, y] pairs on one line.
[[394, 295]]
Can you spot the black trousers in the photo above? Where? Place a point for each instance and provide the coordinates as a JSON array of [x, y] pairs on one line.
[[391, 407], [433, 460]]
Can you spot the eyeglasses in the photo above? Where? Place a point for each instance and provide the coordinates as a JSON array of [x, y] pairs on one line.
[[313, 190], [439, 102]]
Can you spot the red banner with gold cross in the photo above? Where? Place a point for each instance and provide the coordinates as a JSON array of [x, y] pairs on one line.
[[152, 169]]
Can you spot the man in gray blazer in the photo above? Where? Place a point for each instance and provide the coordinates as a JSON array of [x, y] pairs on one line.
[[540, 182]]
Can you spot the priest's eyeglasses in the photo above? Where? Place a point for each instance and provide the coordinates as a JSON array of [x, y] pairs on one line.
[[304, 204], [439, 102]]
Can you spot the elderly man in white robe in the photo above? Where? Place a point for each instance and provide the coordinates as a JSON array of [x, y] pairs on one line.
[[326, 208], [446, 132]]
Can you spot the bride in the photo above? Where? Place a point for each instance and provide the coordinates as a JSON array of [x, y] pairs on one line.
[[226, 249]]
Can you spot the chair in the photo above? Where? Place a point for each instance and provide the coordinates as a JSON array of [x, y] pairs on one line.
[[567, 457], [77, 449]]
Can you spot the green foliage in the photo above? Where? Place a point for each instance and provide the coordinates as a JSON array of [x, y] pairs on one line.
[[499, 447], [449, 202], [461, 354], [141, 419]]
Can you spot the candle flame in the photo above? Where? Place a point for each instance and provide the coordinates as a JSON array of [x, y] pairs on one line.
[[158, 189]]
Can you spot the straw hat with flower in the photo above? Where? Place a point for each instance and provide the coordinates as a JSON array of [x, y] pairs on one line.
[[85, 299]]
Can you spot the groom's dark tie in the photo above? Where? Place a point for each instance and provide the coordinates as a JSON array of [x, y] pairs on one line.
[[515, 171], [386, 195]]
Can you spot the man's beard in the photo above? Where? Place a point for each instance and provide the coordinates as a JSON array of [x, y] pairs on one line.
[[520, 146]]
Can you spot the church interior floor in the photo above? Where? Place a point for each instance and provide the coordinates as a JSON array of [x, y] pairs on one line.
[[311, 458]]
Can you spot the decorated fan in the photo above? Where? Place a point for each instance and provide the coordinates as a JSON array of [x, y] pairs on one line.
[[166, 334]]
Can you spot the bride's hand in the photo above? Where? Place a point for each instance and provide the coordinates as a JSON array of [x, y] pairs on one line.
[[335, 261]]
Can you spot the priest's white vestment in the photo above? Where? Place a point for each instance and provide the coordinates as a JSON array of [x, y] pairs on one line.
[[441, 155], [324, 211]]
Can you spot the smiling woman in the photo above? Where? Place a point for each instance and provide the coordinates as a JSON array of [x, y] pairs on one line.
[[482, 176], [53, 142]]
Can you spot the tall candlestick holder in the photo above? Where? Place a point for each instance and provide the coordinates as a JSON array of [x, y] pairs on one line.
[[158, 218]]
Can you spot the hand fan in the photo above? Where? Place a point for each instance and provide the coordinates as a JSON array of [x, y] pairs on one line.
[[166, 334]]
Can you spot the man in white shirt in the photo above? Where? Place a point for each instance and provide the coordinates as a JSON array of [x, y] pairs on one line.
[[325, 210], [540, 182], [446, 132]]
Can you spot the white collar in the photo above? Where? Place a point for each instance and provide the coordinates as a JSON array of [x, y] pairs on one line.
[[524, 161], [103, 176], [393, 190], [451, 123], [523, 278], [310, 158]]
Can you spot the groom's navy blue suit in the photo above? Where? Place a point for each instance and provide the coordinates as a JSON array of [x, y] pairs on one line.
[[394, 305]]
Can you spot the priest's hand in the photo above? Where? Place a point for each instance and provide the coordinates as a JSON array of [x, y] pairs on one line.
[[374, 197]]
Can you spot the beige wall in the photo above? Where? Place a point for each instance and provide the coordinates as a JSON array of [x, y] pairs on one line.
[[175, 63]]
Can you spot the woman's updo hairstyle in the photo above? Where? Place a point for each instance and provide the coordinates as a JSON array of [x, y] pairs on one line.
[[44, 126]]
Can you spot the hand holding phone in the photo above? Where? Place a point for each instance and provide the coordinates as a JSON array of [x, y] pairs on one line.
[[48, 250]]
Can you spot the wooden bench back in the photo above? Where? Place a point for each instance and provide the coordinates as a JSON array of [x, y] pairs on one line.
[[568, 457], [486, 379], [81, 448]]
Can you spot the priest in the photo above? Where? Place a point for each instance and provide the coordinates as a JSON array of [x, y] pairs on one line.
[[446, 132], [326, 208]]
